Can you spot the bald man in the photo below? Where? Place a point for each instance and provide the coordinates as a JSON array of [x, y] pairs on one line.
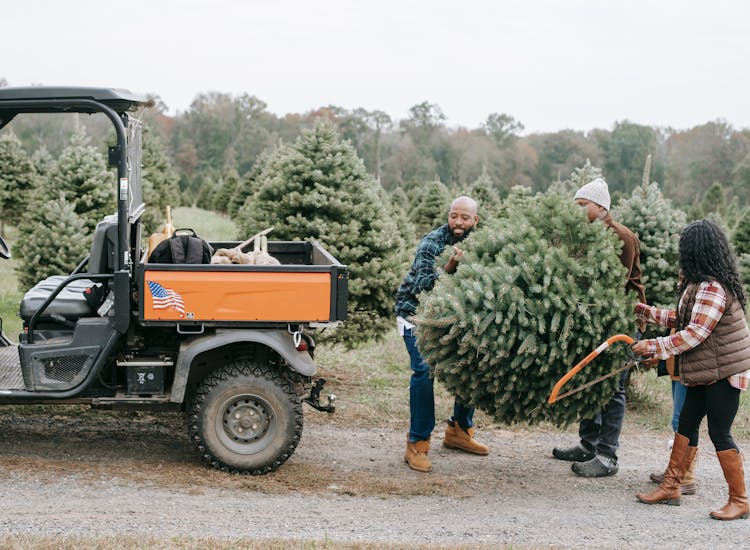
[[459, 434]]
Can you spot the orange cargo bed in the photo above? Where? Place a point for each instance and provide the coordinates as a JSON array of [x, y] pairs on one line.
[[309, 286]]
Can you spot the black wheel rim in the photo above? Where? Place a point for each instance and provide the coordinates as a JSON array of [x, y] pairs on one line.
[[247, 424]]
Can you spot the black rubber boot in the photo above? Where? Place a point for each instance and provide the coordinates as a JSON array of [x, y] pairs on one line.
[[578, 453], [596, 467]]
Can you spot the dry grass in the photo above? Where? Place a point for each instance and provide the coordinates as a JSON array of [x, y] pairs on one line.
[[649, 399], [197, 479], [372, 385]]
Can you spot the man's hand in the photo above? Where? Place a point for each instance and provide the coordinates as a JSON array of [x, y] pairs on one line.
[[453, 261], [458, 254]]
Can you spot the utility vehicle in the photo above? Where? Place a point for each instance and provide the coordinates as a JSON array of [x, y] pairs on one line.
[[230, 345]]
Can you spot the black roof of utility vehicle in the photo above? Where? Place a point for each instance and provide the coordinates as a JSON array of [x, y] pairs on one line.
[[11, 99]]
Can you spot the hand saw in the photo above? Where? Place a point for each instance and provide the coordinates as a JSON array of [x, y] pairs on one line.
[[554, 396]]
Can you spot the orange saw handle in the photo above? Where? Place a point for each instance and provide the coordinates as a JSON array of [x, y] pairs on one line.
[[586, 360]]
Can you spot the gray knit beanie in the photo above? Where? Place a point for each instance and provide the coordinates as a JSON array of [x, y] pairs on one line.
[[595, 191]]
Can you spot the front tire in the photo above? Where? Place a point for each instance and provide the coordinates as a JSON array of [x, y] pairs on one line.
[[245, 418]]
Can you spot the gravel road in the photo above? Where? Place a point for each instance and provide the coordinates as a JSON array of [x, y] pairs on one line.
[[88, 475]]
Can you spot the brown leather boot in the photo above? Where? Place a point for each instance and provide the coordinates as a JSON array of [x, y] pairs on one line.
[[458, 438], [687, 483], [416, 455], [668, 492], [737, 507]]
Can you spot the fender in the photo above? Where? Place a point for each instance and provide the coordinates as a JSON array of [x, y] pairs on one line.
[[278, 340]]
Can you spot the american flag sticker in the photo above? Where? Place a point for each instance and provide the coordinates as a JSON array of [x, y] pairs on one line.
[[165, 298]]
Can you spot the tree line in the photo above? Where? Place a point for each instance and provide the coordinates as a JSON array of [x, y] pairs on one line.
[[221, 134]]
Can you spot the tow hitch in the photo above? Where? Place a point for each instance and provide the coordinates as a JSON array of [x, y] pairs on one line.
[[314, 398]]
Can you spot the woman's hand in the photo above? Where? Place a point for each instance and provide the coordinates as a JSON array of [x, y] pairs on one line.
[[640, 348]]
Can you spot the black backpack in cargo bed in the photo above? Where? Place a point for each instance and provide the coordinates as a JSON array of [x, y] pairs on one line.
[[184, 247]]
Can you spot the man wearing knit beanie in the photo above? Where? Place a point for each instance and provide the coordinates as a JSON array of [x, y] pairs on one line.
[[595, 192], [595, 455]]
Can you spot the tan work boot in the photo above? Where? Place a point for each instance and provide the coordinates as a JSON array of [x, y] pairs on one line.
[[416, 455], [668, 491], [458, 438], [737, 507], [687, 483]]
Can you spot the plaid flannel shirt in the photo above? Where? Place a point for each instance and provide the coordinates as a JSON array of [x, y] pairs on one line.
[[710, 303], [422, 275]]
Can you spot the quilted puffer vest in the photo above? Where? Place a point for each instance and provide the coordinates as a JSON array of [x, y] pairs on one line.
[[725, 352]]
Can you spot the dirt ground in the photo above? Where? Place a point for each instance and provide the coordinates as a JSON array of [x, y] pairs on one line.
[[81, 473]]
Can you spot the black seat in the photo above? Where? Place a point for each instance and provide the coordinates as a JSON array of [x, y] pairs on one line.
[[71, 303]]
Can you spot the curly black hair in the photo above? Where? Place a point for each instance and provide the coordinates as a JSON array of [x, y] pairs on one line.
[[705, 255]]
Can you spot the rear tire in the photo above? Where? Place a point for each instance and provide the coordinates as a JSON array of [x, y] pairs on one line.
[[245, 418]]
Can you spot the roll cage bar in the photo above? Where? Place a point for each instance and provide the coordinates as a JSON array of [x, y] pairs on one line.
[[114, 104]]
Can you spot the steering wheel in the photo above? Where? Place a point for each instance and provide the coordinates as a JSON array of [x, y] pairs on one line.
[[4, 250]]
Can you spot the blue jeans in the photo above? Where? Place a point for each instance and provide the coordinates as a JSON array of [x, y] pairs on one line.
[[422, 396], [679, 391], [602, 433]]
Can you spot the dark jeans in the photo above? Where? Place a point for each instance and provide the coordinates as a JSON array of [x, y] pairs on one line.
[[602, 433], [422, 397], [719, 401]]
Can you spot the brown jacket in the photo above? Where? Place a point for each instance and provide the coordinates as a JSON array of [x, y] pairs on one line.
[[725, 352], [630, 256]]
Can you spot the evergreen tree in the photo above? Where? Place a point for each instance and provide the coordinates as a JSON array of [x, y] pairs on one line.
[[207, 190], [741, 235], [83, 178], [159, 181], [714, 200], [401, 208], [247, 185], [398, 204], [695, 212], [519, 197], [53, 240], [43, 162], [318, 189], [743, 264], [17, 179], [229, 186], [483, 191], [658, 224], [536, 293], [431, 207]]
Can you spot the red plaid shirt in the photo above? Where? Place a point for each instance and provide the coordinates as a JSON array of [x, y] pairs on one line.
[[710, 302]]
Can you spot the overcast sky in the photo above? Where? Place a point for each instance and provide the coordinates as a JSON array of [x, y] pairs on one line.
[[551, 64]]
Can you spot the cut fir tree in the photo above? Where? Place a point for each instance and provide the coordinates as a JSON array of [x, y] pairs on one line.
[[536, 292]]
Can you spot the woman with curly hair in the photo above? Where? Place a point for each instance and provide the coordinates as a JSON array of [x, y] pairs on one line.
[[713, 344]]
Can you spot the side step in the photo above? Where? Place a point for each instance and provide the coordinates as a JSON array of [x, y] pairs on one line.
[[123, 401], [11, 376]]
